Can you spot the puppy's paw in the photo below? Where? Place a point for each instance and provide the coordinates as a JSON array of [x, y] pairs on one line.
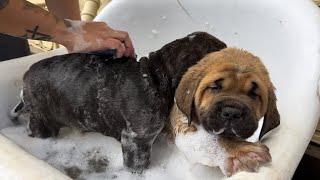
[[246, 157]]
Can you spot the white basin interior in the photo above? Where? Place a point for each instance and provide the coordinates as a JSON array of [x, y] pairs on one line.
[[284, 34]]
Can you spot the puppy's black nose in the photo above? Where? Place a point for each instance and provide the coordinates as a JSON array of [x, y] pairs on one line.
[[230, 113]]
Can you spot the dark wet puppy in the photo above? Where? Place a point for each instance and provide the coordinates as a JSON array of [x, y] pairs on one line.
[[122, 98]]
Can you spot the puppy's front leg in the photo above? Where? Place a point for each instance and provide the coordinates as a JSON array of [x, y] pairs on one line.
[[179, 122], [243, 156]]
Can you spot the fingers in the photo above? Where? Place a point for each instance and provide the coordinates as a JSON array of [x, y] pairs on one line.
[[111, 43], [124, 38], [99, 36]]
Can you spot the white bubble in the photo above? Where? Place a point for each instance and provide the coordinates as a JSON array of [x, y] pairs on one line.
[[201, 147], [191, 37], [155, 32]]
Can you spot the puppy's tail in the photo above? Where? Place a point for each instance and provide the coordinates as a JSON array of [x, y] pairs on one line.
[[18, 109]]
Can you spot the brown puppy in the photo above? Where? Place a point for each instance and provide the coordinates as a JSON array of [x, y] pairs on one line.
[[227, 93]]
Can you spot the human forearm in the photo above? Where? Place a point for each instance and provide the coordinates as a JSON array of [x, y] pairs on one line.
[[23, 19], [69, 10]]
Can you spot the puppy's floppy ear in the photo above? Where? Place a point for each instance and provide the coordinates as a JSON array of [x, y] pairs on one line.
[[272, 117], [185, 93]]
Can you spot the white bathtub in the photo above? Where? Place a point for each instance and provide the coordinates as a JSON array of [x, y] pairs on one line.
[[284, 34]]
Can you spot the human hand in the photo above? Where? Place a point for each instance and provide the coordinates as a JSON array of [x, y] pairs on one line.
[[79, 36]]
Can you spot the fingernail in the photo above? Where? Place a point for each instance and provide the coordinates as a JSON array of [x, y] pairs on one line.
[[134, 56]]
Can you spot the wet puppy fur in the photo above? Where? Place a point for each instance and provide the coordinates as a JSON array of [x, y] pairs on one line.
[[228, 92], [121, 98]]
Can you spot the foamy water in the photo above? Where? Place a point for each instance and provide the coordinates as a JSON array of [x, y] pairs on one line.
[[95, 156]]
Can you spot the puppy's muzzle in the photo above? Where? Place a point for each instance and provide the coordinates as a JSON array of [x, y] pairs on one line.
[[230, 118], [231, 111], [230, 114]]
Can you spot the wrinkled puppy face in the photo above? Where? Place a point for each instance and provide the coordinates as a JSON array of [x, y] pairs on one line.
[[230, 92], [231, 99]]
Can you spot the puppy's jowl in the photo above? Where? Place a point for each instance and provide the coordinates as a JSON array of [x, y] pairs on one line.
[[131, 101]]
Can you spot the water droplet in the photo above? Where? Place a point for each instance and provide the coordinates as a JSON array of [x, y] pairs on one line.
[[155, 32], [144, 75]]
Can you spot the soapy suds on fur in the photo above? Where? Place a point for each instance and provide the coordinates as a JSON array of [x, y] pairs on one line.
[[191, 37], [201, 147]]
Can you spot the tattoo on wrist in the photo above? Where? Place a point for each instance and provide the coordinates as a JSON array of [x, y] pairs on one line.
[[34, 34], [3, 4]]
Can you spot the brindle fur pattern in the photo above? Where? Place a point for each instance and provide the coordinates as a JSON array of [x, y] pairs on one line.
[[121, 98]]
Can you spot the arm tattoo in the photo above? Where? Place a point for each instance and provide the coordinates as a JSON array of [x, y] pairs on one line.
[[3, 4], [34, 34]]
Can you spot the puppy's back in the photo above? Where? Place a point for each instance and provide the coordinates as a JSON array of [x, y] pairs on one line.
[[74, 87]]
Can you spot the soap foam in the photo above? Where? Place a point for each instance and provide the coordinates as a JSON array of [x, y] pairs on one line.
[[201, 147], [76, 27], [95, 156]]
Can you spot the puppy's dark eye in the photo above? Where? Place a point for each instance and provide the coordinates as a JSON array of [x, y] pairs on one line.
[[217, 86], [216, 89], [252, 93]]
